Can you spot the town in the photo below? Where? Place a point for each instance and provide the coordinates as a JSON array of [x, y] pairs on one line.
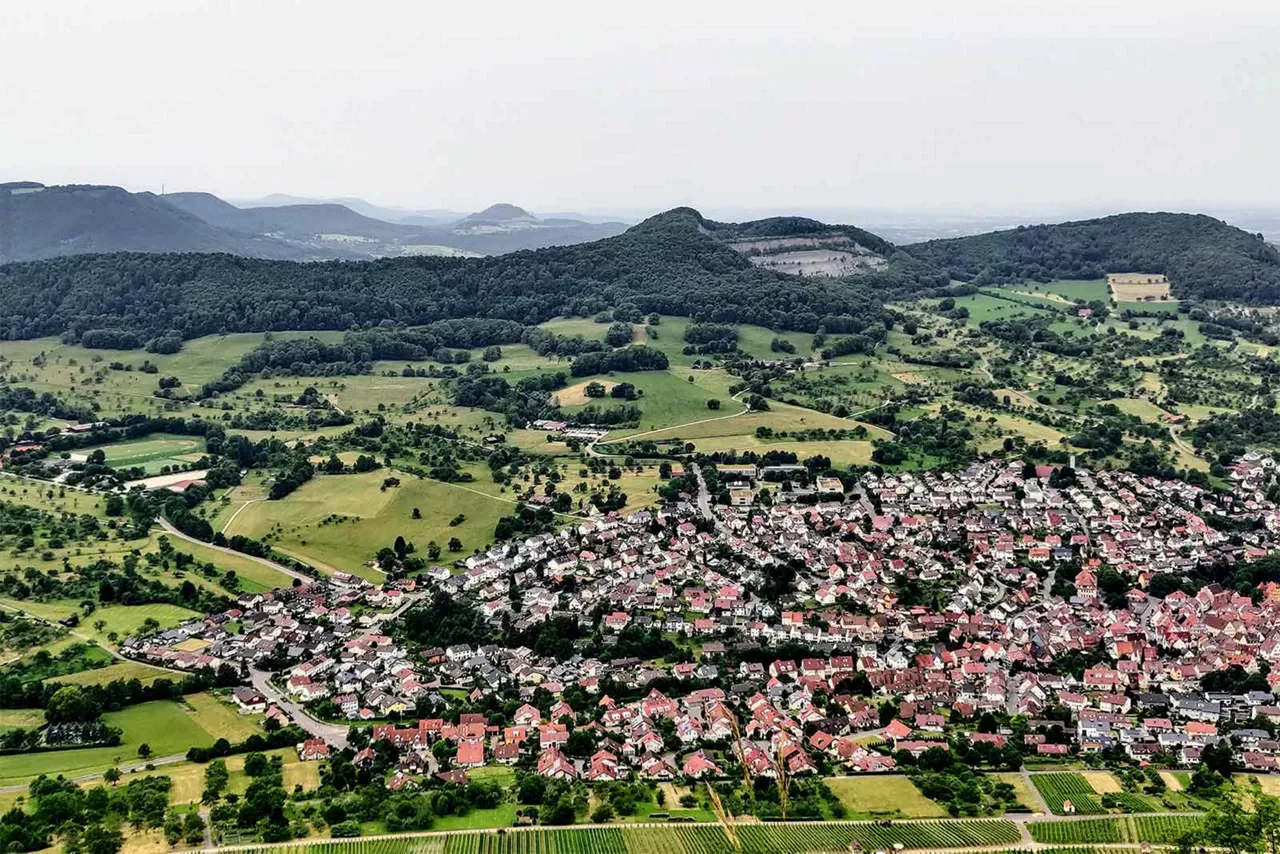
[[1060, 602]]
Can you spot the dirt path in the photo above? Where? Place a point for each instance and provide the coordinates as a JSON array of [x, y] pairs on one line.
[[227, 525], [745, 410]]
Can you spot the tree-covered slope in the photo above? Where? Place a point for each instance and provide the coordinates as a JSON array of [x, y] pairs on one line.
[[1202, 256], [48, 222], [670, 264]]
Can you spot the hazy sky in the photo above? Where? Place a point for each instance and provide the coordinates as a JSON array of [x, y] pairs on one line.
[[956, 106]]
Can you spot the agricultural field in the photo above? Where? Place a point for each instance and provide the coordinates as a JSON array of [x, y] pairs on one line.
[[1138, 287], [1156, 829], [883, 796], [1086, 831], [680, 839], [1068, 794]]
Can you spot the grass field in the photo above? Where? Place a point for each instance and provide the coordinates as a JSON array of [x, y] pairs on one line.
[[21, 718], [879, 796], [1102, 782], [1071, 290], [168, 727], [781, 416], [152, 453], [251, 571], [120, 670], [124, 620], [1026, 796], [982, 307], [374, 517], [847, 452]]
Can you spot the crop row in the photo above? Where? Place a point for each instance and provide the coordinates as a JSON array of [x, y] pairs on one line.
[[687, 839]]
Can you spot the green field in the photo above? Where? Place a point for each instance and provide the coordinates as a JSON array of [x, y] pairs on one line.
[[983, 307], [86, 374], [302, 523], [1060, 789], [881, 796], [670, 399], [152, 453], [125, 670], [1068, 290], [168, 727], [124, 620]]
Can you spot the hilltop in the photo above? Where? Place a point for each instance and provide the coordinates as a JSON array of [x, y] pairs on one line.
[[1202, 256], [672, 263]]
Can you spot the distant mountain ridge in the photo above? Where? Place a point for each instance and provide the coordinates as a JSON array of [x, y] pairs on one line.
[[38, 221], [47, 222]]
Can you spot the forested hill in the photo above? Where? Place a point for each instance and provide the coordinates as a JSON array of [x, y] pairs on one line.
[[48, 222], [1202, 256], [670, 263]]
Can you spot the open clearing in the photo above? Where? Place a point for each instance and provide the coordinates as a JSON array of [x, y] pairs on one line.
[[576, 395], [864, 796], [1024, 792], [1138, 287], [125, 670], [342, 520]]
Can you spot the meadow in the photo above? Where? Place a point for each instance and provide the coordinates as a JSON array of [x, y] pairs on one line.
[[340, 522], [871, 797], [168, 727]]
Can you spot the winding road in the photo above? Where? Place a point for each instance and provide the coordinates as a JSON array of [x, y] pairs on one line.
[[270, 564]]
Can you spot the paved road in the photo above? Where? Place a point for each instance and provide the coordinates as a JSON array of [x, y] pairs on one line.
[[704, 495], [270, 564], [334, 734], [124, 769]]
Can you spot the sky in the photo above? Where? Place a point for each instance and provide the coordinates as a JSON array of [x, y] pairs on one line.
[[952, 107]]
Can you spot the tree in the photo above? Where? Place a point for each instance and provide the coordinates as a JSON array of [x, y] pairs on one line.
[[455, 544], [594, 389], [1228, 826], [433, 550], [100, 839], [112, 775], [144, 750], [713, 403], [1267, 810]]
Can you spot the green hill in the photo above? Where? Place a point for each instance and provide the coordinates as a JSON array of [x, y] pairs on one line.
[[671, 263], [1202, 256]]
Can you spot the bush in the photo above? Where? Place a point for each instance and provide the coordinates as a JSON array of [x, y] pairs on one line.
[[345, 829]]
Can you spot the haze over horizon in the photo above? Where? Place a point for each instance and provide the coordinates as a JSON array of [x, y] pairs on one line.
[[987, 108]]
